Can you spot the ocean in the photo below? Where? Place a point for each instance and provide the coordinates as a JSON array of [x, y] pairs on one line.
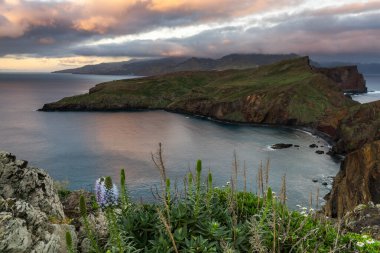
[[373, 85], [80, 147]]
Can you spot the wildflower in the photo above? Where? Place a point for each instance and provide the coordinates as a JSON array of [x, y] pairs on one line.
[[299, 206], [365, 236], [303, 212], [360, 244], [106, 192], [304, 208], [370, 241], [228, 183]]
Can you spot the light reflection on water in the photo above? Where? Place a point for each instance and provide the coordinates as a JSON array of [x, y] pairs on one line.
[[82, 146]]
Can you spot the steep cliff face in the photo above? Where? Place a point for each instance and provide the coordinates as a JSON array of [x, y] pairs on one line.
[[360, 125], [347, 78], [357, 182]]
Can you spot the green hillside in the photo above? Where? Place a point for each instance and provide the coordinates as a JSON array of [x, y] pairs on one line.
[[288, 92]]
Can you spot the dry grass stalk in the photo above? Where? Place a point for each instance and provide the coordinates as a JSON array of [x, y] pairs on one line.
[[168, 229], [283, 190], [256, 240], [235, 169], [267, 175], [245, 177], [310, 200], [317, 199], [158, 161]]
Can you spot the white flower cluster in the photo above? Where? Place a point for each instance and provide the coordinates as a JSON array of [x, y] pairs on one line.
[[305, 211], [368, 241]]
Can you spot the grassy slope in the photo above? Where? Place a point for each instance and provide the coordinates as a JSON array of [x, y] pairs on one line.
[[288, 88]]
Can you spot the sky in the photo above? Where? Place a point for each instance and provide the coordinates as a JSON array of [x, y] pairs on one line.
[[43, 35]]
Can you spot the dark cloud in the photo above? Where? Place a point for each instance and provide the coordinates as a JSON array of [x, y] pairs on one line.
[[316, 35], [61, 29]]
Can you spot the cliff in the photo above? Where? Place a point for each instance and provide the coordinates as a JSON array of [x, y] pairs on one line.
[[358, 181], [360, 125], [347, 78]]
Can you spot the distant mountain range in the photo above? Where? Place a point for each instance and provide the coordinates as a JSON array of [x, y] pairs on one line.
[[176, 64]]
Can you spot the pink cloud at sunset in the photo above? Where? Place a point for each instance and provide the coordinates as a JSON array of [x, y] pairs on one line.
[[152, 28]]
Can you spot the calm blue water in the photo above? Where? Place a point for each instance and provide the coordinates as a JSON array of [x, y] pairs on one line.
[[80, 147], [373, 85]]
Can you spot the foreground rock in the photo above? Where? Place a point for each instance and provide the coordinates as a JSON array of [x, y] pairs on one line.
[[31, 215], [358, 181], [364, 219]]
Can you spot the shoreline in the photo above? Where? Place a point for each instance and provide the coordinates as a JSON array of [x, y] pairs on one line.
[[312, 131]]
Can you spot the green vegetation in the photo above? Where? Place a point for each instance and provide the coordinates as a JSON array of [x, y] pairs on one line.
[[278, 93], [204, 218], [62, 188]]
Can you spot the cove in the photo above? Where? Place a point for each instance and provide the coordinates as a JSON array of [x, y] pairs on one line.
[[80, 147]]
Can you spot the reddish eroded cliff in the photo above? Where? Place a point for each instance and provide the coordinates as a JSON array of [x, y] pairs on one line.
[[347, 77], [357, 182]]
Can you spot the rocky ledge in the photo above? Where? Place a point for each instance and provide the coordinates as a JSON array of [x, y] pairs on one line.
[[32, 217], [31, 214]]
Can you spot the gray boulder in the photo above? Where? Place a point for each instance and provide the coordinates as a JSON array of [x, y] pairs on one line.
[[33, 185], [31, 214]]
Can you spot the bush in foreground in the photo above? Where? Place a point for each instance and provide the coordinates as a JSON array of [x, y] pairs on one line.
[[204, 218]]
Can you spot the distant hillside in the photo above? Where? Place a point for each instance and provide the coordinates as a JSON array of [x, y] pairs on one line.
[[289, 92], [364, 68], [175, 64]]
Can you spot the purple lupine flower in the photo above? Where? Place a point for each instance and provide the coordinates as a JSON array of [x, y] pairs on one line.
[[106, 192]]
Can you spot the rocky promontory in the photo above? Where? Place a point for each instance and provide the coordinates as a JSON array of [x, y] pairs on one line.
[[348, 78], [358, 181], [290, 92]]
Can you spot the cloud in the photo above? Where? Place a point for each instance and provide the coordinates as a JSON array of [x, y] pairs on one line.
[[311, 34], [151, 28]]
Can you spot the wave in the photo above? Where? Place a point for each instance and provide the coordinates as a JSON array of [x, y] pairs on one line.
[[374, 92]]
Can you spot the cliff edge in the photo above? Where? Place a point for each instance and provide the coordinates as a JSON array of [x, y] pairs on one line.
[[358, 181]]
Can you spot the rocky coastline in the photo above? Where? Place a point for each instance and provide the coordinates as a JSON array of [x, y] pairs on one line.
[[33, 219], [313, 100]]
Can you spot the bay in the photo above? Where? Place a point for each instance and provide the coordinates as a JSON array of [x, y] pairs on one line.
[[82, 146]]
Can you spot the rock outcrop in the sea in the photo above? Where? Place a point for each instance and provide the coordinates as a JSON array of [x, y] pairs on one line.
[[347, 77], [358, 181], [31, 214]]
